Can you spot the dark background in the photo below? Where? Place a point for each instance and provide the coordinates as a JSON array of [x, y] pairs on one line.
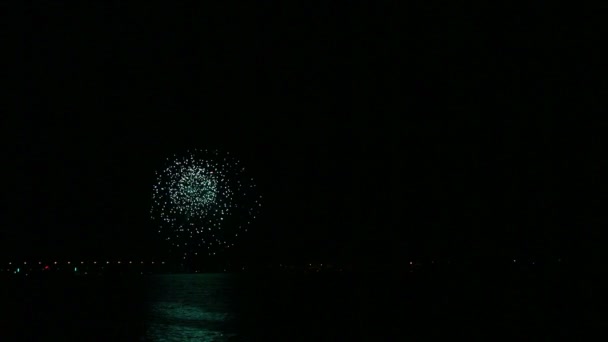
[[377, 133]]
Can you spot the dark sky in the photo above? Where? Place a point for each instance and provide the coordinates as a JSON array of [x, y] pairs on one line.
[[373, 132]]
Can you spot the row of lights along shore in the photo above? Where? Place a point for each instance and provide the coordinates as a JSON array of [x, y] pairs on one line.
[[94, 262]]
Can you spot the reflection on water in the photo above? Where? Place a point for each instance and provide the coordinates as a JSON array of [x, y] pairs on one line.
[[369, 307], [190, 307]]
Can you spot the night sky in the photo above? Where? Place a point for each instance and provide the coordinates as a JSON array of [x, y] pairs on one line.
[[380, 133]]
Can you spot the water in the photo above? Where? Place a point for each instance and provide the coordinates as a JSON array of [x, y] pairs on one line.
[[191, 308], [314, 307], [220, 307]]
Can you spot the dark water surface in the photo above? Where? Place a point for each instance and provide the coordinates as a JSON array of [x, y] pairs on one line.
[[313, 307]]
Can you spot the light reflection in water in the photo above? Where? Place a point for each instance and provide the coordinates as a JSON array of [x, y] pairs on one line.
[[190, 308]]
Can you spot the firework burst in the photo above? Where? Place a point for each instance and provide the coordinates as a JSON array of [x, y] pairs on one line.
[[202, 201]]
